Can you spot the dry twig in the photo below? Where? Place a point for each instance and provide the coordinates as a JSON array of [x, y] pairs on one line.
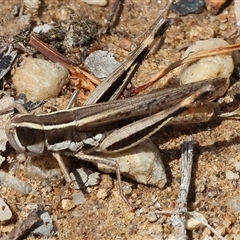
[[179, 220], [178, 217], [194, 57]]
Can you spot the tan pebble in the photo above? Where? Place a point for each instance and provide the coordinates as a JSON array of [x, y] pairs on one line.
[[230, 175], [31, 4], [213, 6], [133, 164], [67, 204], [102, 193], [125, 44], [194, 223], [6, 229], [151, 216], [39, 79], [171, 237], [234, 203], [237, 166]]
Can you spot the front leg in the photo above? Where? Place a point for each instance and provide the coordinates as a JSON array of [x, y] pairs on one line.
[[66, 174]]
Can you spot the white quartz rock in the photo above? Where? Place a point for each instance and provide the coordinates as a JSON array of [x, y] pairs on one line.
[[39, 79], [5, 212], [141, 163], [208, 67]]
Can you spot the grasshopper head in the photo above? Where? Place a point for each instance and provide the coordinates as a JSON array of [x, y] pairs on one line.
[[25, 134]]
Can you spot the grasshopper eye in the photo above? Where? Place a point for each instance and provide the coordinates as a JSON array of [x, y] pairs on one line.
[[26, 134]]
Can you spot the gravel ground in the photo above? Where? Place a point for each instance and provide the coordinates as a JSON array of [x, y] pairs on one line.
[[214, 190]]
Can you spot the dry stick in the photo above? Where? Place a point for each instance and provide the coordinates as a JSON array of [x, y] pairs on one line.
[[179, 220], [178, 217], [189, 59], [55, 56]]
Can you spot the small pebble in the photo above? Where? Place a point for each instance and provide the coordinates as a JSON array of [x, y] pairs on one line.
[[151, 217], [82, 178], [67, 204], [237, 166], [101, 3], [234, 204], [127, 189], [31, 4], [214, 6], [157, 204], [138, 212], [42, 28], [78, 198], [102, 193], [7, 229], [12, 182], [39, 79], [126, 44], [193, 223], [171, 237], [133, 164], [230, 175], [5, 212], [185, 7], [101, 63], [21, 157], [212, 193]]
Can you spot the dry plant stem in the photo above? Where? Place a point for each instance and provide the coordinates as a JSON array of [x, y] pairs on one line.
[[179, 220], [55, 56], [73, 100], [118, 80], [189, 59], [50, 53], [88, 75]]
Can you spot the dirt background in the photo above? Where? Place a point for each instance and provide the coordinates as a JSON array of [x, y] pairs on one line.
[[216, 150]]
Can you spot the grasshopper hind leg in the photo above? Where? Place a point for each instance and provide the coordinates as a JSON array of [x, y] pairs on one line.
[[107, 161]]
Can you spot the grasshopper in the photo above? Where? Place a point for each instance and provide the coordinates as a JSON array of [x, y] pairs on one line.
[[113, 125]]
